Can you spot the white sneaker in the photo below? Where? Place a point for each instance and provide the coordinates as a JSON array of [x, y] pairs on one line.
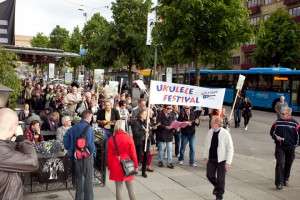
[[194, 165], [181, 162], [246, 128]]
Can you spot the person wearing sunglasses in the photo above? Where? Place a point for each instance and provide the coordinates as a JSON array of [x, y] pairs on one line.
[[165, 135], [285, 133]]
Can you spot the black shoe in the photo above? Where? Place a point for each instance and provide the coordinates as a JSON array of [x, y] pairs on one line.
[[160, 164], [235, 126], [279, 187], [286, 183], [140, 164], [144, 175], [215, 191], [171, 166]]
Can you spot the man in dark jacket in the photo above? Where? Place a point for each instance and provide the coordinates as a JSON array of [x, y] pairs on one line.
[[165, 135], [285, 133], [188, 134], [237, 110], [84, 168], [13, 161], [107, 118]]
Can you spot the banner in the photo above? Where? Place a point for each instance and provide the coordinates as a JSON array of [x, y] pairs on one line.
[[141, 84], [150, 25], [98, 75], [7, 22], [179, 94], [51, 70], [68, 78], [240, 82]]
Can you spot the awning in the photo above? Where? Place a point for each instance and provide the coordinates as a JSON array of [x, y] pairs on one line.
[[39, 51], [146, 72]]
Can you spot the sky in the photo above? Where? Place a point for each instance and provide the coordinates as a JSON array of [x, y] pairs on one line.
[[33, 16]]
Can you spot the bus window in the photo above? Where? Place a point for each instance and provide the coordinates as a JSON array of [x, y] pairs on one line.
[[295, 93], [265, 82], [251, 82]]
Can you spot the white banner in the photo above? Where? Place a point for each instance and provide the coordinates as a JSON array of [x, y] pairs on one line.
[[150, 25], [98, 75], [240, 82], [68, 78], [179, 94], [141, 84], [51, 70]]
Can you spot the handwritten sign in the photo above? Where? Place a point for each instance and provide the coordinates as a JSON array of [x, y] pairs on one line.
[[179, 94]]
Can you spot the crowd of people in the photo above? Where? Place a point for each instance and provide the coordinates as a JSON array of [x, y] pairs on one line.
[[140, 130]]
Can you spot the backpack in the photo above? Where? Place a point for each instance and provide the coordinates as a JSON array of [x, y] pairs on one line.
[[81, 147]]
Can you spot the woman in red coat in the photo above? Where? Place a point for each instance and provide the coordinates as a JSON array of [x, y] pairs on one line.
[[127, 150]]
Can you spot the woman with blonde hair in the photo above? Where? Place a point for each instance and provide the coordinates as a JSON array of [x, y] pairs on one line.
[[127, 150]]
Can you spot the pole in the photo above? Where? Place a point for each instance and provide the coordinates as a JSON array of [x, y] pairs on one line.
[[148, 118], [233, 105], [155, 62]]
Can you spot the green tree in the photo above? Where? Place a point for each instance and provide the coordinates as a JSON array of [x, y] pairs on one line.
[[199, 27], [98, 42], [40, 40], [278, 41], [59, 38], [8, 77], [74, 47], [130, 29]]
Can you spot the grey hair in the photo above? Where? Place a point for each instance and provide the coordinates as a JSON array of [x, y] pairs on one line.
[[65, 118], [119, 126], [218, 120], [287, 110]]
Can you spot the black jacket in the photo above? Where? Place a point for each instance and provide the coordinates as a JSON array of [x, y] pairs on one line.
[[138, 132], [163, 134], [287, 129], [183, 117], [114, 116]]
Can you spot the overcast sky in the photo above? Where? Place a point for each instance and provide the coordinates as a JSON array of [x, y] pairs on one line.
[[33, 16]]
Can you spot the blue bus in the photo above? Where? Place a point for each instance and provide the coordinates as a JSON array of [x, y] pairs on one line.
[[263, 86]]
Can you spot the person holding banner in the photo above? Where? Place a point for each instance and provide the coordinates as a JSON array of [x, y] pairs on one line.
[[237, 110], [165, 135], [188, 134], [140, 132]]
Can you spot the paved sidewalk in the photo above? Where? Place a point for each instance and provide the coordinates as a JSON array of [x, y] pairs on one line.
[[248, 178]]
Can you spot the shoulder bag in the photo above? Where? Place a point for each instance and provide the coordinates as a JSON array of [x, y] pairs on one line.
[[127, 164]]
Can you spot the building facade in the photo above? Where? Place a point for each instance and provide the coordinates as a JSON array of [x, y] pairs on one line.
[[260, 10]]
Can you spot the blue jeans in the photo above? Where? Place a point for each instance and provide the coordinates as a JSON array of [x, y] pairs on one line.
[[237, 117], [161, 147], [184, 140], [84, 177], [177, 142]]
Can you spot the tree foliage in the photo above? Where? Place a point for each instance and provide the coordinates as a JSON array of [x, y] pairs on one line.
[[202, 27], [40, 40], [59, 38], [278, 41], [98, 42], [74, 46], [129, 31], [8, 77]]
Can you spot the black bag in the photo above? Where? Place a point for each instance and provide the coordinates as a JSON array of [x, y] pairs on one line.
[[81, 147], [127, 164]]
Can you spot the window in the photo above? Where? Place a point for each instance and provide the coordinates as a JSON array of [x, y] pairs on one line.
[[254, 20], [252, 3], [268, 2], [294, 11], [266, 16], [235, 60]]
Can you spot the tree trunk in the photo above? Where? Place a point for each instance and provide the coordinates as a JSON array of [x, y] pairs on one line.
[[197, 78]]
